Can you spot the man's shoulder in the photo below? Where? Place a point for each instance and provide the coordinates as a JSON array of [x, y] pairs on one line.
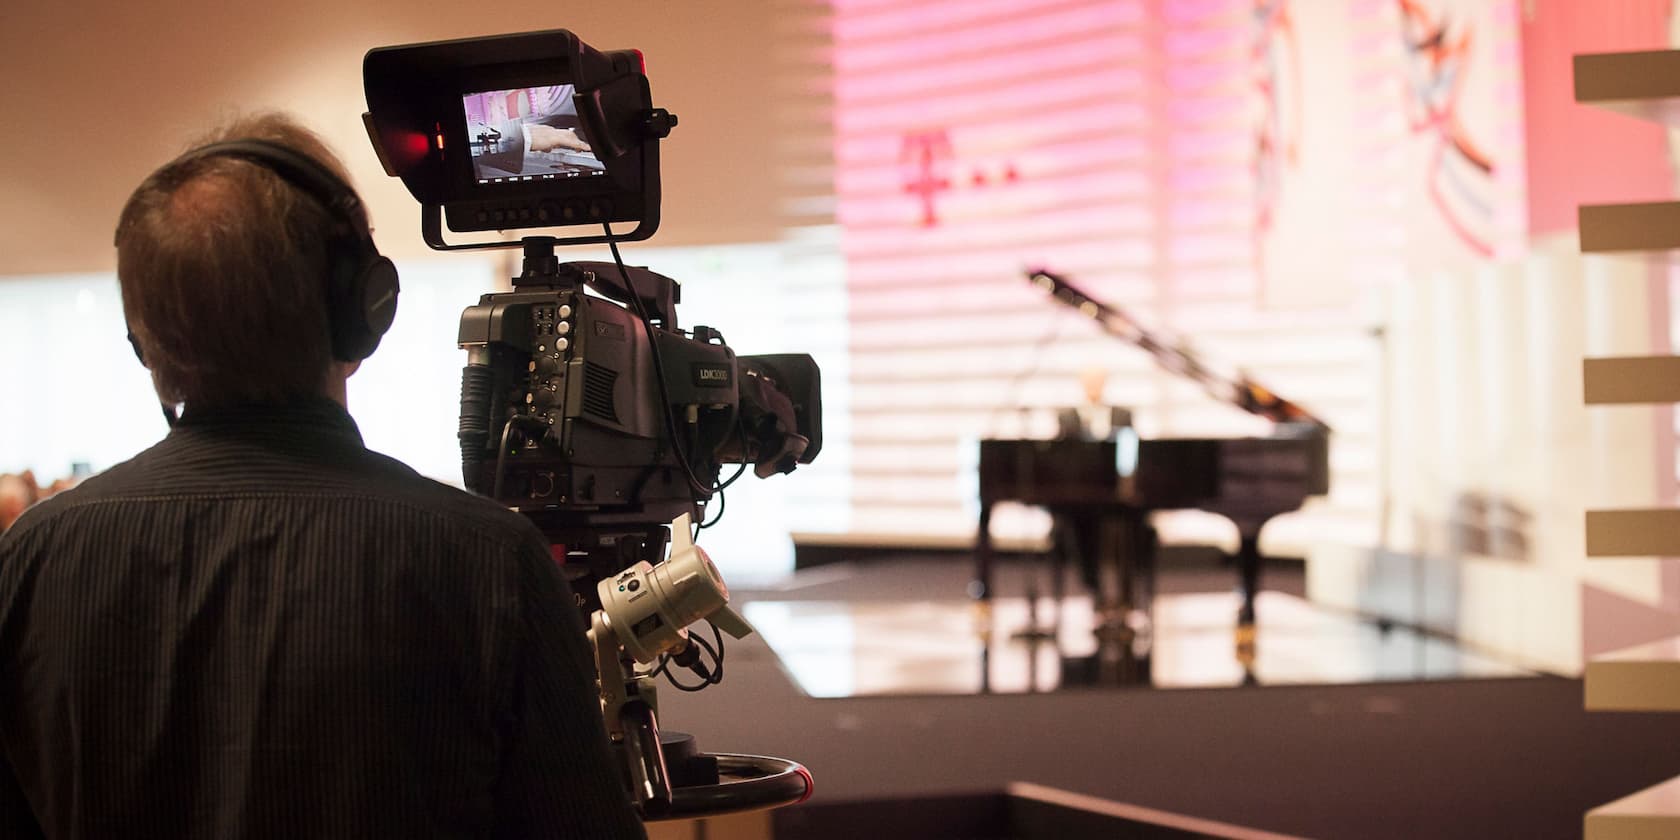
[[401, 483], [92, 489], [154, 477]]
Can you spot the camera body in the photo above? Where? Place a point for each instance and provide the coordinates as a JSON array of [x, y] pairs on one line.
[[573, 374], [568, 401]]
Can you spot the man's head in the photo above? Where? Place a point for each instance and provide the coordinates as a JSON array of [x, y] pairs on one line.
[[226, 269], [17, 493], [1092, 380]]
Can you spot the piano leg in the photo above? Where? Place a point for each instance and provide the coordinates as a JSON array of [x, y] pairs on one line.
[[1117, 593], [1142, 543], [981, 587], [1127, 556], [1058, 588], [1248, 566], [1148, 552]]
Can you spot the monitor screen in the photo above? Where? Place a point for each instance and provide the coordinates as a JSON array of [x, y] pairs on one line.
[[527, 134]]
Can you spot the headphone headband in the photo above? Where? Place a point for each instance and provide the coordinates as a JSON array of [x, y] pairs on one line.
[[362, 287], [295, 168]]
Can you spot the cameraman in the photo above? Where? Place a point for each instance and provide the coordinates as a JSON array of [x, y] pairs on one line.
[[257, 627]]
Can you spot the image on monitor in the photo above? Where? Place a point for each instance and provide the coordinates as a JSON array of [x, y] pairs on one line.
[[527, 134]]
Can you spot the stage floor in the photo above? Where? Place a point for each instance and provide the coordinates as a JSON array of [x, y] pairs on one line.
[[942, 647]]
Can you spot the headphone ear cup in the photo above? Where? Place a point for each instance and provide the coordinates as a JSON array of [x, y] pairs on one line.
[[138, 353], [379, 297], [364, 306]]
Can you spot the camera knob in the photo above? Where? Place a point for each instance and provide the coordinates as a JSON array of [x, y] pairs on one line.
[[546, 396]]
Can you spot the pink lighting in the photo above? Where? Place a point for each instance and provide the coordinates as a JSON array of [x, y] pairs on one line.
[[1010, 66], [1113, 139], [1004, 35], [865, 22]]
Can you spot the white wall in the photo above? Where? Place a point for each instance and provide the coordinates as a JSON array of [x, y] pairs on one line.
[[1494, 458], [85, 399], [72, 390]]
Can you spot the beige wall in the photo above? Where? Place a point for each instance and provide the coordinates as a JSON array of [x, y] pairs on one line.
[[99, 92]]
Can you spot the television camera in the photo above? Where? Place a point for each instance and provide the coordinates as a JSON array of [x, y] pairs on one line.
[[595, 415]]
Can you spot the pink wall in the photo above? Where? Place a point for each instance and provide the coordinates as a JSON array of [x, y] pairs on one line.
[[1586, 155], [1579, 154]]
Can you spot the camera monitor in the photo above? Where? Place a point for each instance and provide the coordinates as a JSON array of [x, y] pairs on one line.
[[527, 134], [509, 132]]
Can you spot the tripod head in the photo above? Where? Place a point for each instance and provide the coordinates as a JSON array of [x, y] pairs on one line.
[[644, 618]]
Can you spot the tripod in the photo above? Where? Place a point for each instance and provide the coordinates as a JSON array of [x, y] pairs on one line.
[[641, 618]]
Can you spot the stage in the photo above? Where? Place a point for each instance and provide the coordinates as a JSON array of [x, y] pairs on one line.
[[848, 649], [1416, 753]]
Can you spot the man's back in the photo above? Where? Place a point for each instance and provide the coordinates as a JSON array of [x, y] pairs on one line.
[[259, 628]]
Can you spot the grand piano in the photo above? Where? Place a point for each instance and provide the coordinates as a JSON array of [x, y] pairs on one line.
[[1248, 480]]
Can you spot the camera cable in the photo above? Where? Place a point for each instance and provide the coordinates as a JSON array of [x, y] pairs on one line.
[[695, 484], [717, 489], [690, 658], [502, 451]]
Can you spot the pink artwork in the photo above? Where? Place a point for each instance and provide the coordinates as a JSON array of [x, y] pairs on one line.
[[1460, 171]]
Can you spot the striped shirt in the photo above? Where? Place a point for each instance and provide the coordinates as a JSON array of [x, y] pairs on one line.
[[259, 628]]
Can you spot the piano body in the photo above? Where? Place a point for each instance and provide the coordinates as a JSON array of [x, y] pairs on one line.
[[1248, 480]]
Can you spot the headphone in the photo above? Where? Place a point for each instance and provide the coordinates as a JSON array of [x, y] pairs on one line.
[[361, 286]]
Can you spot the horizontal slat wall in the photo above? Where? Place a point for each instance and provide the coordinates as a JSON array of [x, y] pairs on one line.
[[1631, 379], [1645, 678], [1110, 140], [1649, 532], [1650, 76], [1646, 226], [1650, 814], [814, 306], [948, 341]]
